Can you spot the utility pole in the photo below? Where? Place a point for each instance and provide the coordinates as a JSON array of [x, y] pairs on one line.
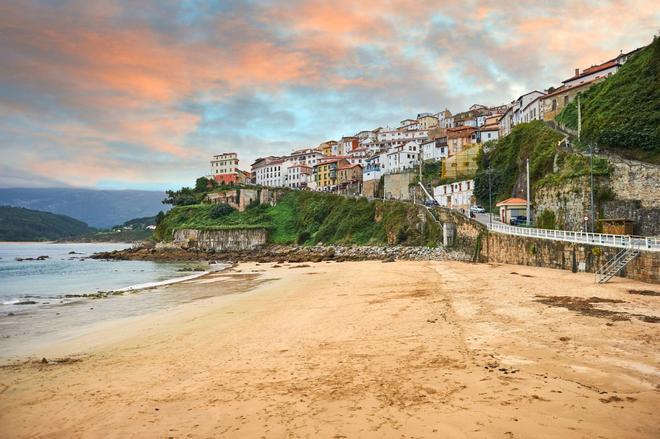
[[579, 121], [528, 201], [490, 198], [591, 178]]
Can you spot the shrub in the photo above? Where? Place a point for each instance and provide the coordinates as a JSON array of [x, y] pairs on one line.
[[546, 220], [220, 210]]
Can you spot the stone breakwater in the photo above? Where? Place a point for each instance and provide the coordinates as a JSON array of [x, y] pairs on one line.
[[277, 253]]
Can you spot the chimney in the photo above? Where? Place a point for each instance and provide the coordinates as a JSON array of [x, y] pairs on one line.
[[577, 72]]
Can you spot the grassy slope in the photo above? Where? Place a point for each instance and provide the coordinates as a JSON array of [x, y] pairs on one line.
[[310, 218], [507, 158], [622, 113], [19, 224]]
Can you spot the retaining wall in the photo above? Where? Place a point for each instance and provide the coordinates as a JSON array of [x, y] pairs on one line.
[[221, 240], [521, 250]]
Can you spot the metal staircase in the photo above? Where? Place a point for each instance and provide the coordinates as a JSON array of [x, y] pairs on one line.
[[608, 270]]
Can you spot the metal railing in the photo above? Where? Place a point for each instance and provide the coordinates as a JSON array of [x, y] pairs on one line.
[[619, 241]]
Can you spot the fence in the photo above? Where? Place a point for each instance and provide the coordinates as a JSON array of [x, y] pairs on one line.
[[620, 241]]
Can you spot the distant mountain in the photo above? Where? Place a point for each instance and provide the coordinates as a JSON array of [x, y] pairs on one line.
[[19, 224], [98, 208]]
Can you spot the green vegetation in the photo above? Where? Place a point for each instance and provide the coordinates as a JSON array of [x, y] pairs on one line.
[[507, 158], [572, 166], [431, 173], [19, 224], [535, 141], [546, 220], [311, 218], [220, 210], [138, 223], [622, 113]]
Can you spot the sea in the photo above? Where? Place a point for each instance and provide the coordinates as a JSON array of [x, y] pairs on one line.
[[50, 290]]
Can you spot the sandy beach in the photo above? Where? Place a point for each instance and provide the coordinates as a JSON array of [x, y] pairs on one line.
[[358, 349]]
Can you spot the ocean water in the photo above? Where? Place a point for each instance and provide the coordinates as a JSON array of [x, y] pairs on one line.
[[43, 301], [68, 271]]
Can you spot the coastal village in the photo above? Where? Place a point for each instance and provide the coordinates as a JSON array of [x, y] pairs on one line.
[[392, 157], [486, 267]]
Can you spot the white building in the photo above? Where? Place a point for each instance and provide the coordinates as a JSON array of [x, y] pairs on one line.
[[608, 68], [403, 135], [514, 114], [269, 171], [533, 110], [403, 157], [357, 156], [347, 144], [224, 167], [488, 133], [307, 156], [457, 195], [372, 168], [435, 150], [298, 176]]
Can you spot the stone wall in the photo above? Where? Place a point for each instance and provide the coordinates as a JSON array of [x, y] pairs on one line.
[[519, 250], [370, 187], [569, 201], [271, 195], [467, 229], [246, 197], [636, 196], [397, 186], [221, 240]]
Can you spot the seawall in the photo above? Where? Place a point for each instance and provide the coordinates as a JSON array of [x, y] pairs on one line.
[[221, 240]]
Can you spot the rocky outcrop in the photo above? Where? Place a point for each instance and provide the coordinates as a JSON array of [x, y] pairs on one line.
[[275, 253]]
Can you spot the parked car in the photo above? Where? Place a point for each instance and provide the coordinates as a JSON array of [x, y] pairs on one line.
[[477, 209], [431, 203], [518, 220]]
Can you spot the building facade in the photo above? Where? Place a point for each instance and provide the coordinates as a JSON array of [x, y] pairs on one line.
[[224, 167], [458, 195], [269, 171], [435, 150]]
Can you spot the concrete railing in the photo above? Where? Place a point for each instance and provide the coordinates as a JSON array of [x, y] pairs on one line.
[[620, 241]]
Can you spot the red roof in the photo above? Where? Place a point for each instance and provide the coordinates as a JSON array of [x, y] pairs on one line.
[[512, 202], [594, 69]]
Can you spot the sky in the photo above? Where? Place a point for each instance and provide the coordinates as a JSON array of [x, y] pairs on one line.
[[123, 94]]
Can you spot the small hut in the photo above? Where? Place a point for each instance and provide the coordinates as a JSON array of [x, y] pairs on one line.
[[617, 226]]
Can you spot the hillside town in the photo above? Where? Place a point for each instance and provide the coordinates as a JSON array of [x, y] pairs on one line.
[[392, 157]]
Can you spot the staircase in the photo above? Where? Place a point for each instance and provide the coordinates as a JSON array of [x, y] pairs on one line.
[[608, 270]]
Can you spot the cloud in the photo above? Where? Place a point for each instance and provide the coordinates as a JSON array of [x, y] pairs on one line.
[[121, 93]]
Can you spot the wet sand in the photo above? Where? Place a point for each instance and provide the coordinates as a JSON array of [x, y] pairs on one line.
[[359, 349]]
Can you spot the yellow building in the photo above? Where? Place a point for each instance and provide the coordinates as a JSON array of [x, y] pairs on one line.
[[461, 165], [427, 121], [326, 147], [326, 172]]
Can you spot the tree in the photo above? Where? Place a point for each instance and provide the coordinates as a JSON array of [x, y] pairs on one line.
[[160, 217], [202, 184], [183, 197]]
